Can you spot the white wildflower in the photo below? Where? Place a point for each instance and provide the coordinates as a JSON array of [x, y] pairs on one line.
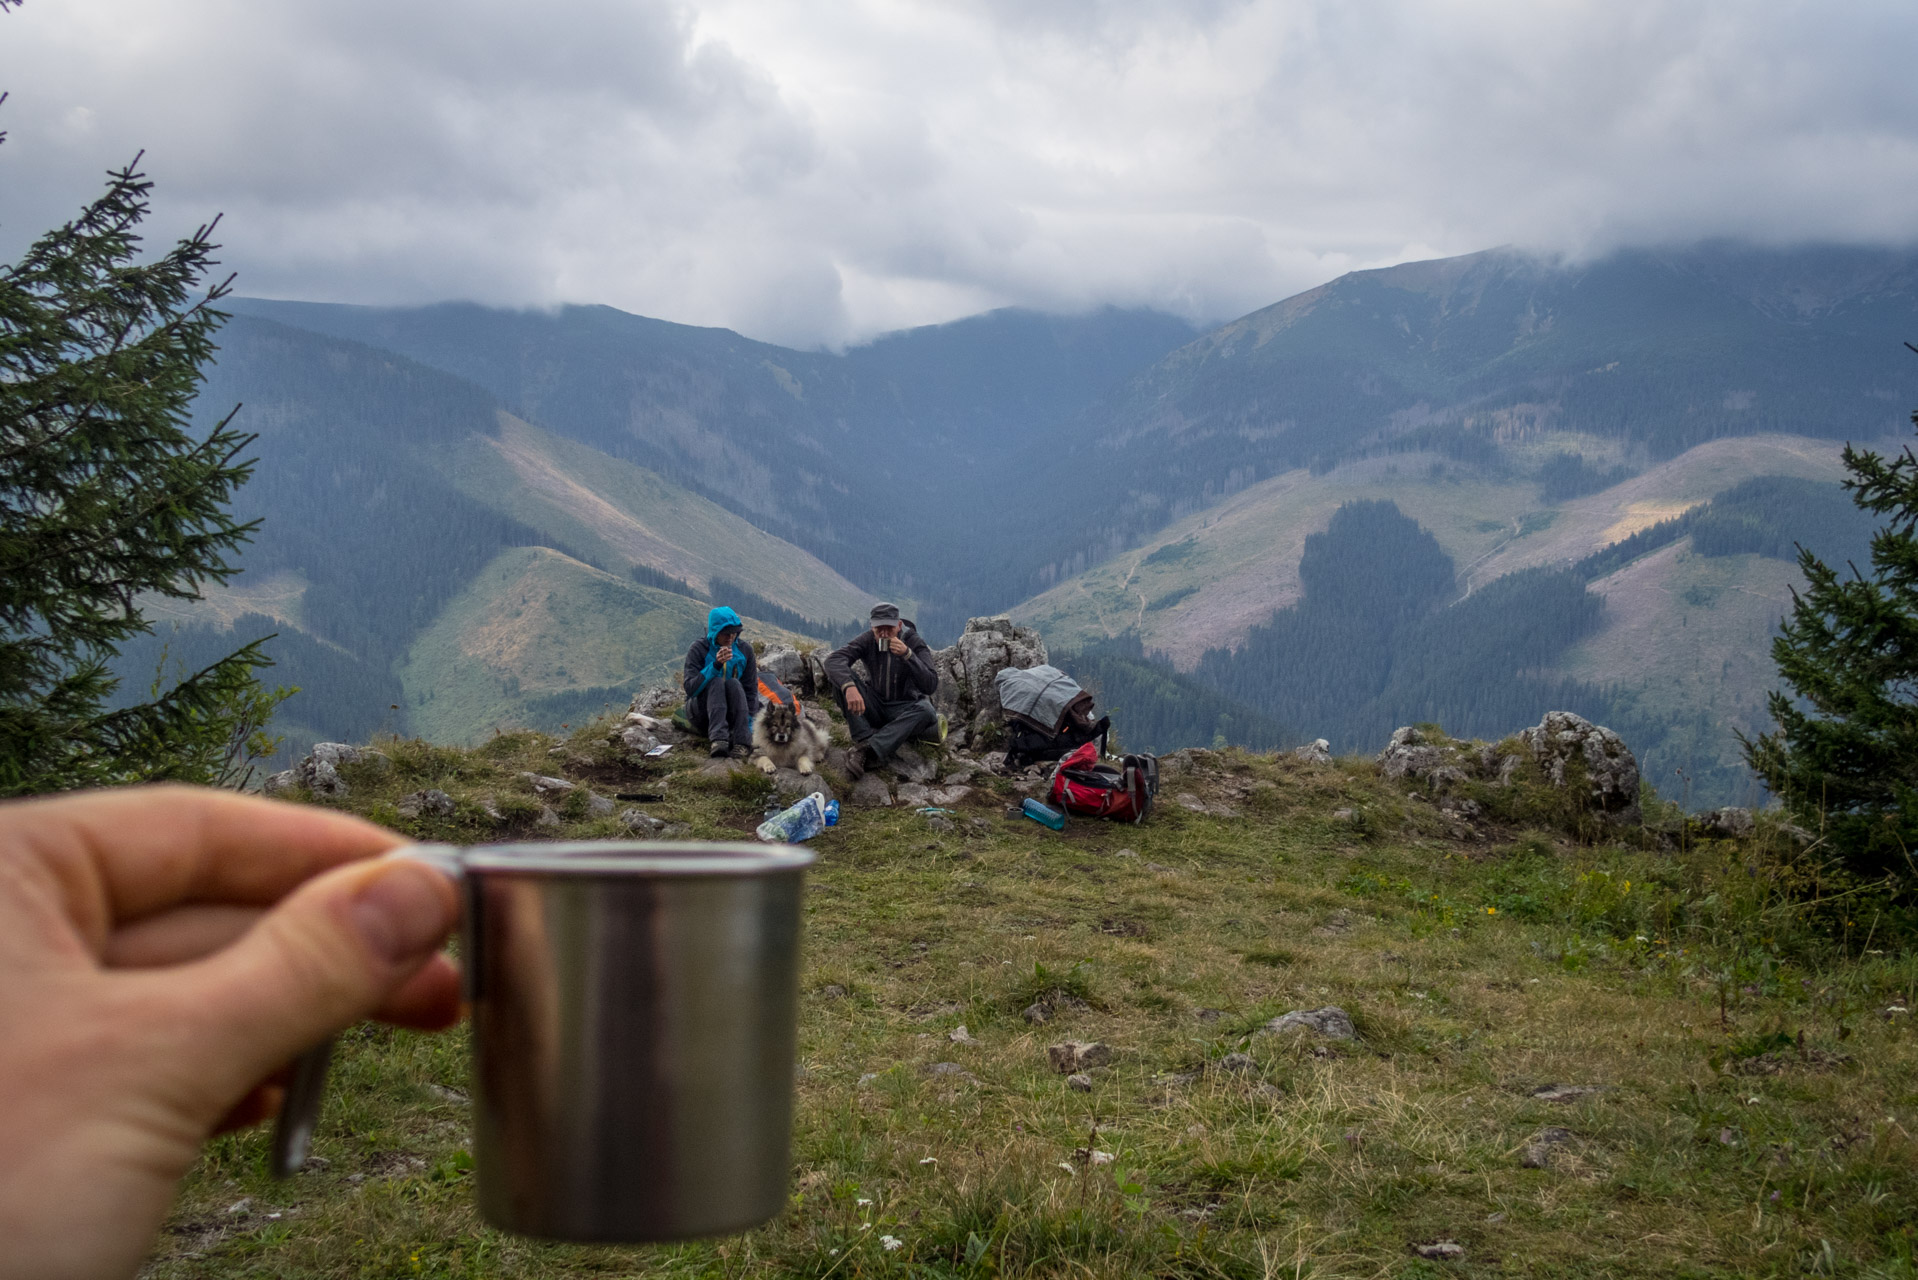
[[890, 1242]]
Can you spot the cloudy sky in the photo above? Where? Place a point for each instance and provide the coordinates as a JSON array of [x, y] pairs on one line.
[[816, 173]]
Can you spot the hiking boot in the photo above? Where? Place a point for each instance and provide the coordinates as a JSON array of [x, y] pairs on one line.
[[721, 749], [856, 762]]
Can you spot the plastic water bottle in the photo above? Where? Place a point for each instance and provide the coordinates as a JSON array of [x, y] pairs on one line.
[[1043, 815], [832, 813], [802, 821]]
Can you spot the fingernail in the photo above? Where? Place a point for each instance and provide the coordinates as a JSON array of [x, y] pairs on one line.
[[403, 912]]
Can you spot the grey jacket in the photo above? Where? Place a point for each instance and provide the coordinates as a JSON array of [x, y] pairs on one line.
[[892, 678]]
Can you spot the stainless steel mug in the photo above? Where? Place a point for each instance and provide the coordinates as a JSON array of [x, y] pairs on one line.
[[635, 1013]]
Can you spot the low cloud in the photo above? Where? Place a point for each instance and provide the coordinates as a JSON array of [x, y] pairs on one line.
[[814, 174]]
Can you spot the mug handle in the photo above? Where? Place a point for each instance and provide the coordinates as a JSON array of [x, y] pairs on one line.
[[300, 1112]]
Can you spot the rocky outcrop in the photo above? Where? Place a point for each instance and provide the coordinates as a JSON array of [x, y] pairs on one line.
[[1317, 751], [1434, 759], [319, 773], [968, 668], [1331, 1022], [1571, 749], [803, 673]]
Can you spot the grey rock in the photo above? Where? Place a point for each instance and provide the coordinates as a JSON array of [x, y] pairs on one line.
[[1126, 853], [240, 1208], [1440, 1250], [910, 765], [635, 738], [659, 701], [1037, 1012], [1331, 1022], [1079, 1082], [1344, 815], [548, 817], [1317, 751], [950, 795], [1078, 1055], [1189, 801], [792, 785], [832, 991], [599, 806], [968, 669], [1209, 1015], [1566, 1092], [546, 788], [914, 794], [1189, 760], [786, 664], [1435, 760], [958, 775], [1611, 771], [723, 767], [1730, 822], [959, 1035], [335, 753], [640, 823], [433, 804], [445, 1094], [949, 1070], [939, 822], [1238, 1063], [872, 792], [323, 779], [1161, 869], [279, 784]]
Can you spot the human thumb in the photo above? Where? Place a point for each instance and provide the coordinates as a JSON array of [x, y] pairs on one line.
[[325, 957]]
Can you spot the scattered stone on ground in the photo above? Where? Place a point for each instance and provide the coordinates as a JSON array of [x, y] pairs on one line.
[[1566, 1092], [951, 1070], [1161, 869], [1238, 1063], [548, 817], [1126, 853], [907, 763], [1440, 1250], [959, 1035], [641, 823], [940, 822], [951, 795], [832, 991], [791, 785], [1336, 925], [1079, 1082], [1209, 1015], [1434, 759], [546, 788], [1538, 1152], [598, 806], [432, 803], [914, 794], [1344, 815], [1331, 1022], [872, 792], [1078, 1055], [445, 1094]]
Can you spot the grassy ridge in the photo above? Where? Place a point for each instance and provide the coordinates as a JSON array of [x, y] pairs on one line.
[[1752, 1115]]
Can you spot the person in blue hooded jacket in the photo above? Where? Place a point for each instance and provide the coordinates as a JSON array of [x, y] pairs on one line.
[[722, 685]]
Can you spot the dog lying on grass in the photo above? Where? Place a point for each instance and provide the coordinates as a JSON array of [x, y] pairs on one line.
[[782, 736]]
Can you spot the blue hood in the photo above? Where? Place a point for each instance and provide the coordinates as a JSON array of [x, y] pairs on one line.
[[718, 620]]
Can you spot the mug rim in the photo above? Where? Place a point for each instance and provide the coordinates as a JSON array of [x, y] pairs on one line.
[[655, 858]]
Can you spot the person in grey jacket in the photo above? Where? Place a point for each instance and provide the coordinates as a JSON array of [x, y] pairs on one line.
[[893, 702]]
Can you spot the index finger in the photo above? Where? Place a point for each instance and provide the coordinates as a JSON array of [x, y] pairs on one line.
[[122, 854]]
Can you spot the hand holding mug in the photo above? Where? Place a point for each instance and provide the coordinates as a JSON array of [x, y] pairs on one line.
[[897, 645], [724, 655]]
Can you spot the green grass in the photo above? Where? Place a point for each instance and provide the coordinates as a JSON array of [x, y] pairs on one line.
[[1754, 1117]]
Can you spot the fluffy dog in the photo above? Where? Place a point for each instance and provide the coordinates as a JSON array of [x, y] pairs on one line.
[[784, 739]]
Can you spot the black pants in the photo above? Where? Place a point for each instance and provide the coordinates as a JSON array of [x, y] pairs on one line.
[[722, 712], [882, 726]]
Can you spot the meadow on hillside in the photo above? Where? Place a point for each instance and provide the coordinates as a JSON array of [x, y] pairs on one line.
[[1655, 1055]]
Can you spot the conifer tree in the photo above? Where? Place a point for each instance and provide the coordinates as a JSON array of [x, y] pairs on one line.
[[108, 495], [1844, 756]]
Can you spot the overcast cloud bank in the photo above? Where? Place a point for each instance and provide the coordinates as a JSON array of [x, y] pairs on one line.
[[815, 174]]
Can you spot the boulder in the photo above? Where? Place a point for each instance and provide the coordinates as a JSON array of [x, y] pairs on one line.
[[910, 765], [969, 667], [914, 794], [659, 701], [871, 791], [641, 823], [1317, 751], [791, 785], [1433, 759], [1331, 1022], [546, 788], [279, 784], [634, 737], [1610, 770], [598, 806], [320, 771], [1730, 823]]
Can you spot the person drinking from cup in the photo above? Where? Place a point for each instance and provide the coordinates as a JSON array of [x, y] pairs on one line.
[[892, 702], [722, 686]]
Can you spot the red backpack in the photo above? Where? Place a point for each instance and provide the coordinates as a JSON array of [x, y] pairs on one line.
[[1090, 789]]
